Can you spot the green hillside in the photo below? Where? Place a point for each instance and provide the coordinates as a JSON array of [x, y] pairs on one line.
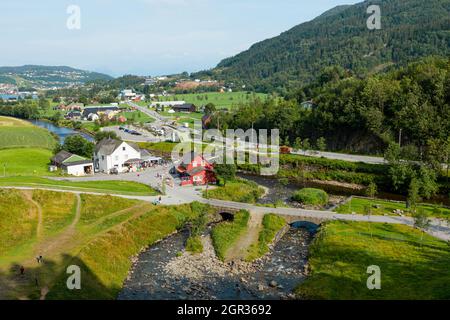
[[410, 29], [16, 134]]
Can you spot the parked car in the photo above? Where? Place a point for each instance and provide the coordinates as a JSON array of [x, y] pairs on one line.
[[114, 171]]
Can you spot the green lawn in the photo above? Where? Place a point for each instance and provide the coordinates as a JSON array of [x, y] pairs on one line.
[[410, 268], [109, 187], [16, 133], [26, 162], [137, 116], [238, 190], [358, 205], [221, 100]]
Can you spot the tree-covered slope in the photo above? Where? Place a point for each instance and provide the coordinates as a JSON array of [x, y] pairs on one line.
[[410, 29]]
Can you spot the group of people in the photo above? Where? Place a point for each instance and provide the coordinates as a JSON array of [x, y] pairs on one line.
[[39, 259]]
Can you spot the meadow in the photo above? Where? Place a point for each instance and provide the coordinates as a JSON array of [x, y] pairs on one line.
[[25, 162], [384, 207], [411, 268], [15, 133], [100, 234], [220, 100]]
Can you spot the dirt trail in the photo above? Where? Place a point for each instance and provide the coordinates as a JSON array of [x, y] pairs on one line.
[[239, 250], [29, 196]]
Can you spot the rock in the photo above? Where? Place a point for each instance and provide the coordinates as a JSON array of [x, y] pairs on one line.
[[273, 284], [261, 287]]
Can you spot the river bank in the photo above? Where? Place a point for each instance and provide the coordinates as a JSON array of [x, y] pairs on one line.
[[165, 271], [61, 132]]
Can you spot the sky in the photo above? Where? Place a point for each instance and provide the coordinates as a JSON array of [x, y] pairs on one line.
[[144, 37]]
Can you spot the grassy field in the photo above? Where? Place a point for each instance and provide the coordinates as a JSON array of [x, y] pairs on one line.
[[221, 100], [226, 234], [381, 207], [272, 224], [101, 245], [109, 187], [26, 162], [311, 196], [238, 190], [137, 116], [15, 133], [410, 268]]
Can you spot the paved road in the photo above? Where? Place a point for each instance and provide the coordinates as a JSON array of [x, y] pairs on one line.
[[183, 195], [342, 156]]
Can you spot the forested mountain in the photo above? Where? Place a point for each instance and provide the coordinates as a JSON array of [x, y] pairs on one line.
[[48, 76], [410, 105], [411, 29]]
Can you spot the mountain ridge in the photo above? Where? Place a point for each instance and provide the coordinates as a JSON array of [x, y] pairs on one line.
[[340, 37]]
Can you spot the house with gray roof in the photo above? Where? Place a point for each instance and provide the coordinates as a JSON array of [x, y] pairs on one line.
[[73, 164], [112, 156]]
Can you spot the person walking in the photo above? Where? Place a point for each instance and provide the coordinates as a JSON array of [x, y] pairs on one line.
[[22, 270]]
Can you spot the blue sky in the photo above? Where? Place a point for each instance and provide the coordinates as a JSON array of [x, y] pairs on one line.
[[145, 37]]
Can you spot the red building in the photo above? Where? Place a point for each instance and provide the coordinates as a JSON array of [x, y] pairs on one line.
[[195, 170]]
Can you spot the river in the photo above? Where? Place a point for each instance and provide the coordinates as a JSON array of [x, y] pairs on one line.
[[61, 132], [164, 272]]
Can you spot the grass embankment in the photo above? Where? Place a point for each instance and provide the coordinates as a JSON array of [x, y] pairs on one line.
[[112, 187], [272, 224], [226, 234], [382, 207], [16, 133], [105, 261], [18, 220], [299, 169], [410, 268], [238, 190], [110, 231], [311, 196], [58, 209]]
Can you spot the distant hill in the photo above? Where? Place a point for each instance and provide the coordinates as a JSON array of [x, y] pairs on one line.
[[48, 76], [411, 29]]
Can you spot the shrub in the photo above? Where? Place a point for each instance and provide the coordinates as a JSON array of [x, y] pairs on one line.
[[194, 245], [311, 196]]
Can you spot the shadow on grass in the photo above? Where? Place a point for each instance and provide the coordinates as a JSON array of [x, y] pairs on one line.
[[49, 281]]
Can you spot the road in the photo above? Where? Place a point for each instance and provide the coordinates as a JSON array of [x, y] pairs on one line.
[[176, 195]]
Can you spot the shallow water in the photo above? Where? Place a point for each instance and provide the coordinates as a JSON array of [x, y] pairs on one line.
[[149, 280]]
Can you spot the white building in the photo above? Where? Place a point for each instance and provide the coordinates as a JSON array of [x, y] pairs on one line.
[[73, 164], [111, 155]]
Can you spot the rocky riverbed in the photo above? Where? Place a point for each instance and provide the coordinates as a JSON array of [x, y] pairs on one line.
[[165, 271]]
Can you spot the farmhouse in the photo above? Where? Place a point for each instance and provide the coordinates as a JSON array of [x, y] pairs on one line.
[[73, 164], [110, 111], [194, 169], [187, 107], [116, 156]]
